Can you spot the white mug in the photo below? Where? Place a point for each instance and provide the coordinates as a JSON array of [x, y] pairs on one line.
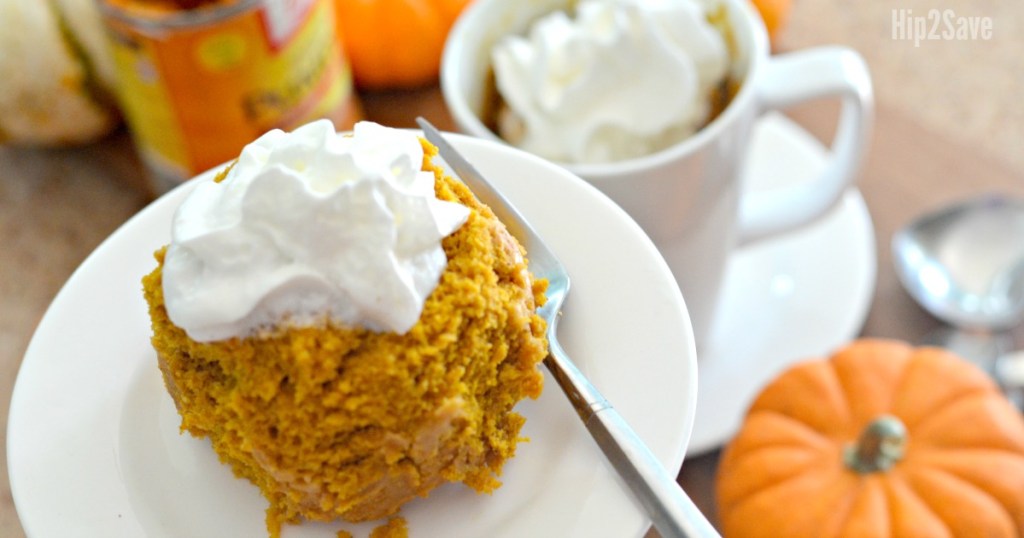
[[688, 197]]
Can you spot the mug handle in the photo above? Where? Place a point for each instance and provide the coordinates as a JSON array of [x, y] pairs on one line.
[[796, 77]]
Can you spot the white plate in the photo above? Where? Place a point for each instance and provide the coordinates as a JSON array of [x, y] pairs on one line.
[[93, 441], [796, 297]]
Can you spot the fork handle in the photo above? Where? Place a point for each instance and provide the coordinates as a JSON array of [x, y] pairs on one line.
[[672, 512]]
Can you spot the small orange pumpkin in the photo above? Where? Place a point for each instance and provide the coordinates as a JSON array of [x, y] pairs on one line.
[[882, 439], [775, 14], [395, 43]]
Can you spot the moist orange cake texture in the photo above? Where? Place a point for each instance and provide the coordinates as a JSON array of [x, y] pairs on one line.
[[344, 422]]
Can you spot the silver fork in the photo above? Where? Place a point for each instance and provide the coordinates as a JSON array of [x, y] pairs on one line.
[[672, 512]]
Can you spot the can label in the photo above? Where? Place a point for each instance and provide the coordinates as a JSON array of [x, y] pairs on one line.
[[196, 91]]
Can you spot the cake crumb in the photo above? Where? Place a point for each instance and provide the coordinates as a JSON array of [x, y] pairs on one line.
[[394, 528]]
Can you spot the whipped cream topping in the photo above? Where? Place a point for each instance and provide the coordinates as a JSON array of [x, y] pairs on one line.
[[307, 227], [623, 79]]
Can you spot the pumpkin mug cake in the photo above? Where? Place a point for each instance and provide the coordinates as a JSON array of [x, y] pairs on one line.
[[347, 324]]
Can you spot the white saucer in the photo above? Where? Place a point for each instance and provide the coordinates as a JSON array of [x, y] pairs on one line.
[[786, 299], [93, 440]]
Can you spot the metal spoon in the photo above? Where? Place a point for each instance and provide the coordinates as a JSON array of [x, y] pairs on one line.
[[965, 265]]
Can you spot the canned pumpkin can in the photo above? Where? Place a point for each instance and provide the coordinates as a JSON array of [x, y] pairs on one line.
[[198, 80]]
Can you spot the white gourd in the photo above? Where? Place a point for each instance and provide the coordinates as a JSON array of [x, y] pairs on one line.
[[56, 74]]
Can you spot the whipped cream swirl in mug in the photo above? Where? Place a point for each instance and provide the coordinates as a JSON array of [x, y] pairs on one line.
[[622, 79], [306, 227]]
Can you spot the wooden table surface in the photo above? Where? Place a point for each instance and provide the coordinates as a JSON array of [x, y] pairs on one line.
[[56, 206]]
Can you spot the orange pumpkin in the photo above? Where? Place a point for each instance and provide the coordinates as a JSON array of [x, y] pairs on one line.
[[775, 14], [882, 439], [395, 43]]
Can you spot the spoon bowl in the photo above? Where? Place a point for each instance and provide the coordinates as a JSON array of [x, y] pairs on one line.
[[965, 264]]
